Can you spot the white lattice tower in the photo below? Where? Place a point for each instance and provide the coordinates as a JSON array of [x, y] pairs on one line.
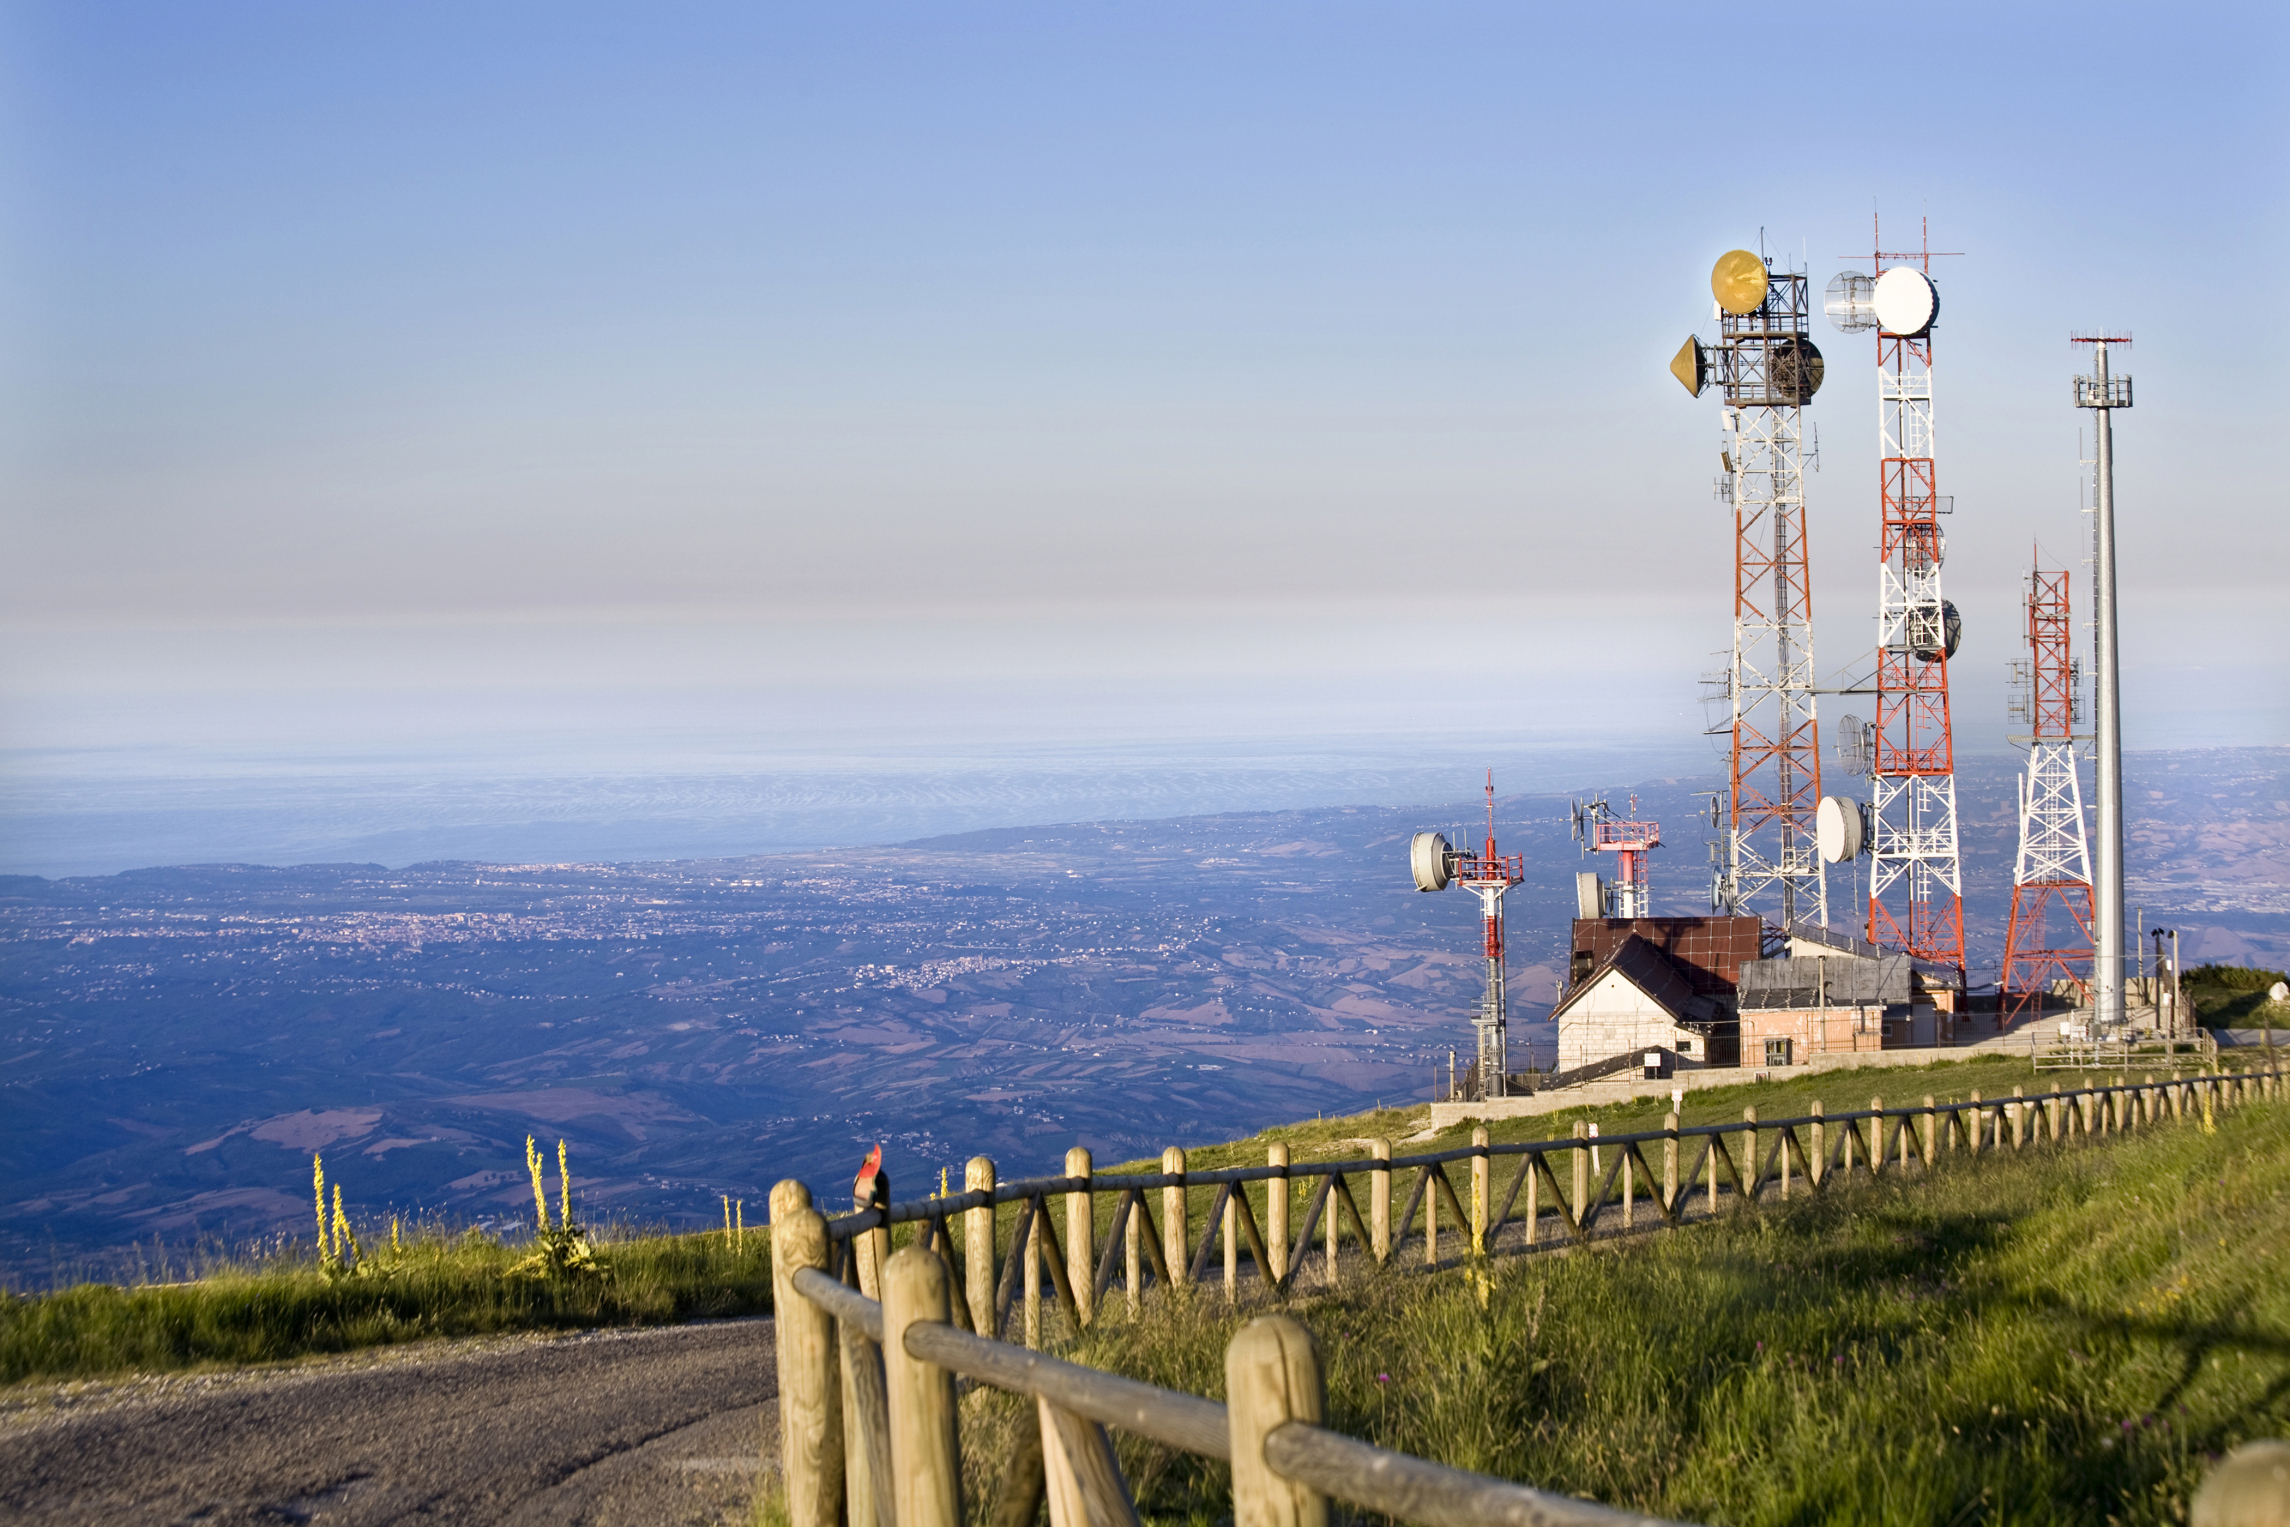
[[2052, 873], [1916, 882]]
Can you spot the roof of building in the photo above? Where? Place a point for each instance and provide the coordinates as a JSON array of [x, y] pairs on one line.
[[1705, 951], [1825, 981], [1647, 968]]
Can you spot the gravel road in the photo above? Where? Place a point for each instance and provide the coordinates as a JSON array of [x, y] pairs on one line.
[[664, 1427]]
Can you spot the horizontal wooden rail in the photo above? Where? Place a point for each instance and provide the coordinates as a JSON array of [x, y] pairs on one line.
[[1418, 1490]]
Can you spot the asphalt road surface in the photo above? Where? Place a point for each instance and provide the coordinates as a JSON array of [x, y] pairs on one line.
[[663, 1427]]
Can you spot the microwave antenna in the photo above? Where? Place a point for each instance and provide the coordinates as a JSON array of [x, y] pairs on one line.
[[1437, 864]]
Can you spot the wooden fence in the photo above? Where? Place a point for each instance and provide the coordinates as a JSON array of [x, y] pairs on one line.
[[870, 1341]]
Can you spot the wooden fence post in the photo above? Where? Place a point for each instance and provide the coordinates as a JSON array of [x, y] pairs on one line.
[[1379, 1200], [1751, 1167], [1975, 1138], [1581, 1170], [978, 1278], [1818, 1168], [1229, 1233], [1275, 1209], [810, 1412], [1669, 1163], [1333, 1217], [1176, 1219], [1272, 1377], [1932, 1130], [1534, 1210], [2019, 1116], [926, 1460], [1876, 1137], [1133, 1256], [1482, 1189], [1084, 1478], [1031, 1270], [1081, 1237]]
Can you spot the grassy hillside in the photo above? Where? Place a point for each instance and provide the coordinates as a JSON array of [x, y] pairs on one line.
[[2068, 1335], [2234, 996]]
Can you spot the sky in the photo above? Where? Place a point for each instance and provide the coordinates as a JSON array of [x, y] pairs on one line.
[[663, 387]]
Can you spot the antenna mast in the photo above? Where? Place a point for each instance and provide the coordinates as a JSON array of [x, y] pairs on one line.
[[2053, 870], [1769, 369], [1916, 880], [2102, 394], [1488, 874]]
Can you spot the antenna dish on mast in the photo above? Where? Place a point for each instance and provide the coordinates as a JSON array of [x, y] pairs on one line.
[[1840, 829], [1906, 301], [1850, 302], [1738, 282], [1432, 860]]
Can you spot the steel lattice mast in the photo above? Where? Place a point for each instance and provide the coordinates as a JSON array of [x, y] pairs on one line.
[[1916, 882], [1768, 367], [2052, 876], [1487, 874]]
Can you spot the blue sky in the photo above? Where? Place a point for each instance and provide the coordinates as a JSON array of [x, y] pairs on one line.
[[454, 375]]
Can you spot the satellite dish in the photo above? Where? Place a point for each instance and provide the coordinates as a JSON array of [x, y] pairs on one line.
[[1793, 369], [1906, 302], [1839, 829], [1738, 282], [2278, 992], [1930, 638], [1850, 302], [1430, 858], [1691, 367]]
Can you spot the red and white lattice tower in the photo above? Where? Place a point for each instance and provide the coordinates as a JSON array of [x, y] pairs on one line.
[[2050, 933], [1487, 874], [1916, 881], [1768, 368]]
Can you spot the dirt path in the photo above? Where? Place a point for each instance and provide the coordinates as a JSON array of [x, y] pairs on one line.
[[669, 1426]]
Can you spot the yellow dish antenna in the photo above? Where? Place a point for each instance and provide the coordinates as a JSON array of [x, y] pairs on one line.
[[1738, 282], [1690, 367]]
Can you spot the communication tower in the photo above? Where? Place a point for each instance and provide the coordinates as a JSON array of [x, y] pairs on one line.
[[1598, 830], [2102, 394], [1916, 882], [1436, 863], [1768, 369], [2051, 880]]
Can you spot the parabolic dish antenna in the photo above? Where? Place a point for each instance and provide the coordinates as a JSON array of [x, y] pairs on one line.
[[1794, 370], [1738, 282], [1850, 302], [1691, 367], [1428, 856], [1906, 302], [1838, 829]]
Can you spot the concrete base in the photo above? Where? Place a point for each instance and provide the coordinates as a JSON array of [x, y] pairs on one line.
[[2018, 1041]]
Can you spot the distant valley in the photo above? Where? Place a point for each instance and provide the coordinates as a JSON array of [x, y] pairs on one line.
[[177, 1041]]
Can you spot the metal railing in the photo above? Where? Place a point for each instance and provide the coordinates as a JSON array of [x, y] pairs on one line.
[[871, 1341]]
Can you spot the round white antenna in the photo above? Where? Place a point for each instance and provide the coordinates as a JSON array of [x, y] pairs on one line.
[[2278, 992], [1905, 301], [1432, 860], [1839, 829], [1850, 302]]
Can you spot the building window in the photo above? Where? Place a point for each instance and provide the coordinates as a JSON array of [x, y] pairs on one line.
[[1777, 1052]]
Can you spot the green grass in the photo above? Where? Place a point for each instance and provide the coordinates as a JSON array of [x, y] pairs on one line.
[[2234, 996], [438, 1286], [2064, 1335]]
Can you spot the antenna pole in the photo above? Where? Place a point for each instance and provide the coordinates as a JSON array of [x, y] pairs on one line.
[[2103, 394]]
